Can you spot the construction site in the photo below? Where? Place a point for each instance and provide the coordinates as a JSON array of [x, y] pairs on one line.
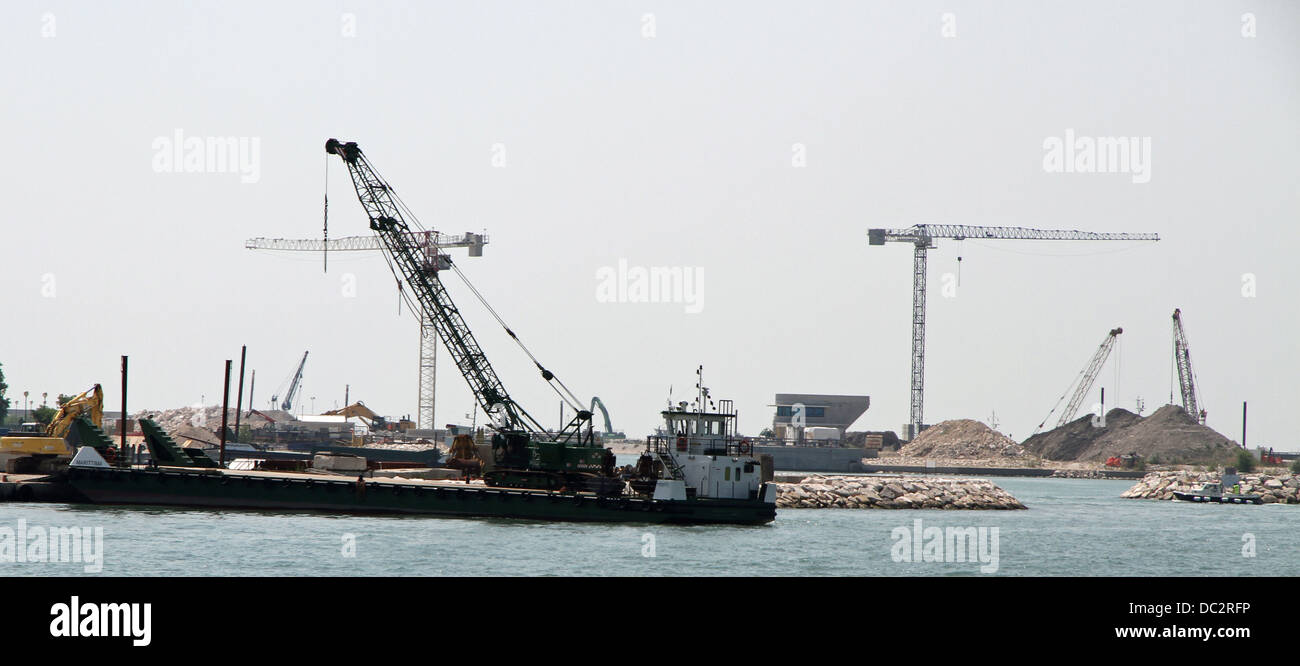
[[810, 431]]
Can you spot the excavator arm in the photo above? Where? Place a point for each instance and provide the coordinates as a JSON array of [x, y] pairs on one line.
[[89, 404]]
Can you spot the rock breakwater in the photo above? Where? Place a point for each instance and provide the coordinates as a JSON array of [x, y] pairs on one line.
[[893, 492], [1280, 489]]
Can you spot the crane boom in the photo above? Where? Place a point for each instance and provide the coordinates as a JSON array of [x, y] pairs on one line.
[[926, 233], [922, 237], [473, 241], [1087, 377], [410, 263], [287, 405], [1186, 379]]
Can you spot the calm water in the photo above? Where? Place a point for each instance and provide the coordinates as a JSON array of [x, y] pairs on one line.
[[1072, 527]]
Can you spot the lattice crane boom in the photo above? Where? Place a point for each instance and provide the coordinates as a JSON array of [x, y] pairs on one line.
[[411, 264], [473, 241], [1186, 378], [1083, 383], [922, 237]]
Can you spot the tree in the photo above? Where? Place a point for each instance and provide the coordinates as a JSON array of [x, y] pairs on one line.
[[44, 414], [1245, 462], [4, 400], [63, 399]]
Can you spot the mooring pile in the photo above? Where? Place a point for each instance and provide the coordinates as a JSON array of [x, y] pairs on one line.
[[893, 492]]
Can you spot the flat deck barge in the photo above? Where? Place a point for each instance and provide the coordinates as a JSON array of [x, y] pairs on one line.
[[212, 488]]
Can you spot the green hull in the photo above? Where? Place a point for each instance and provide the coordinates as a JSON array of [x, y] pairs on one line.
[[217, 489]]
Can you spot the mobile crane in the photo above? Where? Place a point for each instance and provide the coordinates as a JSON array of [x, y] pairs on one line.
[[1083, 383], [524, 454], [294, 382], [1186, 378]]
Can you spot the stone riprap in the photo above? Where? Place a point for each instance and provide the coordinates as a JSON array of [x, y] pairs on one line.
[[893, 492], [1272, 489]]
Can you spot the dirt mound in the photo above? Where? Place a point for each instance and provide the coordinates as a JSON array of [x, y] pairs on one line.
[[961, 438], [1167, 436], [1072, 440]]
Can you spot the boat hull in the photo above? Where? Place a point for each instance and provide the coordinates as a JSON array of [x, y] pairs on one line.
[[1218, 499], [223, 489]]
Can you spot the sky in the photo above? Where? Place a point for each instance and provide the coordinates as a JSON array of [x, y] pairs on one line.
[[747, 145]]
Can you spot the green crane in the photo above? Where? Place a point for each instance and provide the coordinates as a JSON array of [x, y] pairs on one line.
[[525, 454]]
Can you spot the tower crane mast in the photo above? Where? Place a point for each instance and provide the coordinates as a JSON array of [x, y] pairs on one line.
[[922, 237], [431, 243]]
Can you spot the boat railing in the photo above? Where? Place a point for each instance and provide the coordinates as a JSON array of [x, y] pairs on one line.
[[730, 446]]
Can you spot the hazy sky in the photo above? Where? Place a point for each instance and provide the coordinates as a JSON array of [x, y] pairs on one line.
[[750, 144]]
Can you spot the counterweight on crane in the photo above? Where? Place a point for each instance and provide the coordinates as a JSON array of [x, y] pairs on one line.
[[922, 237], [1083, 383], [1186, 378]]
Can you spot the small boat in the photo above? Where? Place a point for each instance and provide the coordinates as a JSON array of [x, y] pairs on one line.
[[1213, 492]]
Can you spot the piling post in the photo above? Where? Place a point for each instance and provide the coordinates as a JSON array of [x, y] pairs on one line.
[[121, 448], [225, 406], [239, 401]]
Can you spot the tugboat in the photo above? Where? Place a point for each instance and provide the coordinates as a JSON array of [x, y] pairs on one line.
[[697, 454], [1213, 492]]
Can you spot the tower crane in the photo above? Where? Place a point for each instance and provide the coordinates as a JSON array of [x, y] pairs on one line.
[[430, 242], [922, 237], [524, 454], [1084, 381], [1186, 379]]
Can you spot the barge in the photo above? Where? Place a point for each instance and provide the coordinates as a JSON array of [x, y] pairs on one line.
[[217, 488]]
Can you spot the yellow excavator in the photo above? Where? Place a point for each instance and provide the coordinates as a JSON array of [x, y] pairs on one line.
[[369, 417], [52, 443]]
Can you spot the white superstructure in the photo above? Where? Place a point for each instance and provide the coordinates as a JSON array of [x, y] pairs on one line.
[[697, 454]]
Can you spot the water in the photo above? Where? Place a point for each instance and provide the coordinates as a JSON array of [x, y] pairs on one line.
[[1072, 527]]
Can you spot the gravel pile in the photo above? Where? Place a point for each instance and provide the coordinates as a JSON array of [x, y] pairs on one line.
[[961, 438], [207, 418], [1072, 440], [1167, 436]]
